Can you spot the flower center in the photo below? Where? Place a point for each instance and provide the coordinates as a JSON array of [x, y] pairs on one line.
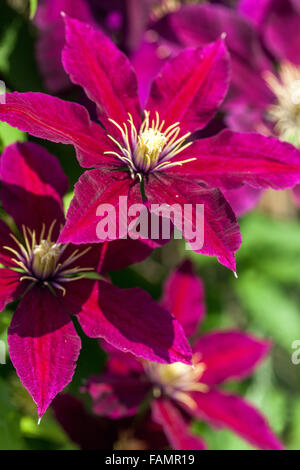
[[177, 379], [45, 257], [149, 146], [152, 148], [44, 261], [285, 113]]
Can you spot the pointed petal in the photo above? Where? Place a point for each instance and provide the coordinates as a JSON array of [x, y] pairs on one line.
[[10, 287], [229, 355], [191, 87], [233, 412], [129, 320], [184, 297], [33, 184], [96, 64], [198, 25], [51, 118], [94, 188], [117, 396], [175, 425], [221, 231], [43, 346], [231, 159], [150, 53]]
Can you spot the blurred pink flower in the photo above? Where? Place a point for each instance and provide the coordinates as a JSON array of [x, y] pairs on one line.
[[178, 393]]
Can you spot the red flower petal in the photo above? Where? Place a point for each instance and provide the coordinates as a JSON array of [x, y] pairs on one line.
[[33, 184], [221, 231], [230, 159], [129, 320], [59, 121], [198, 25], [229, 354], [43, 346], [191, 87], [94, 187], [176, 426], [233, 412], [96, 64], [184, 297], [10, 287], [6, 240]]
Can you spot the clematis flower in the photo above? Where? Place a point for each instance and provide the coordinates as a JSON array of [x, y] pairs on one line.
[[148, 158], [177, 392], [50, 278]]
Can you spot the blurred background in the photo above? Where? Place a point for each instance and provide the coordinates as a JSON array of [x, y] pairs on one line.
[[265, 300]]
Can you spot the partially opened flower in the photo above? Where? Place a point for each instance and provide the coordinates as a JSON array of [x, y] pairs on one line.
[[51, 280], [148, 158], [178, 392]]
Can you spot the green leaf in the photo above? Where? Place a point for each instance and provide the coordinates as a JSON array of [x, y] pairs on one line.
[[9, 135], [33, 6], [67, 200], [9, 421], [273, 311], [294, 435]]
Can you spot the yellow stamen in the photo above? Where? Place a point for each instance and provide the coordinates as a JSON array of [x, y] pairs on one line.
[[40, 262], [178, 379], [285, 113], [150, 149]]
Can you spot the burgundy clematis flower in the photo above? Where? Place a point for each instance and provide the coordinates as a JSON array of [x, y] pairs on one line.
[[150, 160], [51, 280], [179, 392]]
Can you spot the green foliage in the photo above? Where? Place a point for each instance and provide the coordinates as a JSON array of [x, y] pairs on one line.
[[33, 7]]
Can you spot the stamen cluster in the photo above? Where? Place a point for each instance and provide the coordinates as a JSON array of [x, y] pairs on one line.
[[152, 148], [177, 380], [41, 260], [285, 113]]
